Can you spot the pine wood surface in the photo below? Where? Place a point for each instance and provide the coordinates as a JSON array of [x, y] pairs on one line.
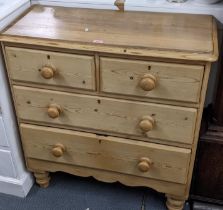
[[74, 71], [106, 153], [177, 36], [106, 176], [110, 115], [126, 75]]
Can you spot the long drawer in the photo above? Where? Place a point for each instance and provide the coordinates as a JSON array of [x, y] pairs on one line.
[[51, 68], [108, 153], [135, 119], [146, 79]]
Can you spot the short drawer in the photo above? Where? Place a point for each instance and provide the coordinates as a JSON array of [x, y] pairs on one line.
[[155, 80], [51, 68], [89, 150], [133, 119]]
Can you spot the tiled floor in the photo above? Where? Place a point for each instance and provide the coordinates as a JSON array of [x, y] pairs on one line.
[[68, 192]]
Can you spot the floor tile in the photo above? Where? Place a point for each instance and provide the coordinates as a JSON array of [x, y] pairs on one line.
[[156, 201], [67, 192]]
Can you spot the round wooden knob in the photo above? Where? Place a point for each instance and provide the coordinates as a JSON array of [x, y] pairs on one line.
[[54, 111], [147, 123], [47, 72], [144, 164], [58, 150], [148, 82]]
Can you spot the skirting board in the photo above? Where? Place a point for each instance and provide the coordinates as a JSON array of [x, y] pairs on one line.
[[143, 5], [205, 206], [13, 15], [16, 187]]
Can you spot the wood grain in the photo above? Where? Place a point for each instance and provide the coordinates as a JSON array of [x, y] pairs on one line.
[[174, 81], [198, 124], [42, 178], [106, 114], [106, 153], [155, 34], [107, 176], [74, 71], [174, 203]]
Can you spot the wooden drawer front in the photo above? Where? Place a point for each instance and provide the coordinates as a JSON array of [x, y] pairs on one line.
[[51, 68], [107, 153], [110, 115], [172, 81]]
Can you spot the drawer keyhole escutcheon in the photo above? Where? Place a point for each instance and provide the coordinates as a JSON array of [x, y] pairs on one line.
[[47, 72], [54, 111], [148, 82], [147, 123], [144, 164], [58, 150]]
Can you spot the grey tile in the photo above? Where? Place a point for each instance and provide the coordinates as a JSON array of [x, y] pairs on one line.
[[156, 201], [206, 206], [67, 192]]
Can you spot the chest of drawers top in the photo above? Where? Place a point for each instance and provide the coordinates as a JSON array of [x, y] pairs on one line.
[[162, 35]]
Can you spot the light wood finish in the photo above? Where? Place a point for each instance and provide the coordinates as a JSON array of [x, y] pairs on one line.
[[58, 150], [115, 116], [42, 178], [51, 68], [110, 95], [145, 164], [54, 111], [85, 149], [47, 72], [174, 203], [146, 124], [198, 124], [107, 176], [151, 79], [120, 4], [178, 36], [145, 82]]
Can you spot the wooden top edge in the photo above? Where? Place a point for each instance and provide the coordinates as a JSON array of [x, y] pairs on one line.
[[205, 57], [215, 40]]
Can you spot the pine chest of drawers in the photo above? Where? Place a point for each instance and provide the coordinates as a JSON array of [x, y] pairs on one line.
[[113, 95]]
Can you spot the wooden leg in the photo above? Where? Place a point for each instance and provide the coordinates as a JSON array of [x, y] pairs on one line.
[[174, 203], [42, 178]]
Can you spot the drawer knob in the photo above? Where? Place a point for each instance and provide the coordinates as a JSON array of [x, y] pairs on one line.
[[58, 150], [144, 164], [47, 72], [148, 82], [54, 111], [147, 123]]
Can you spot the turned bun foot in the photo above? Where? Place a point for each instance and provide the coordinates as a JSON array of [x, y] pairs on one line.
[[42, 178], [173, 203]]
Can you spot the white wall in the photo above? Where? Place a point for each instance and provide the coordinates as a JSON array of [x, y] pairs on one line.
[[14, 179], [143, 5]]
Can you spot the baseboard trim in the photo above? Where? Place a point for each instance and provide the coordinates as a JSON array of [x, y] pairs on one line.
[[16, 187], [205, 206]]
